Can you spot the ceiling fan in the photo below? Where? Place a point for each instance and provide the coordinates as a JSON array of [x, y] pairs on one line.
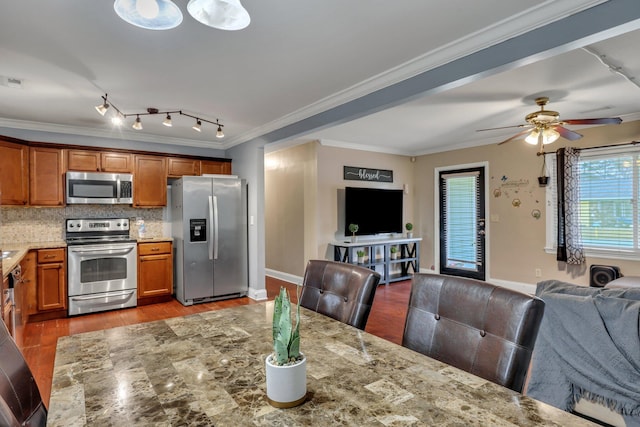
[[544, 126]]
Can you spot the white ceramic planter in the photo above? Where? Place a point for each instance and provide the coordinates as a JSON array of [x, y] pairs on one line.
[[286, 385]]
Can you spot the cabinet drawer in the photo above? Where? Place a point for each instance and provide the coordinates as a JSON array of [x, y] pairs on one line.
[[50, 255], [154, 248]]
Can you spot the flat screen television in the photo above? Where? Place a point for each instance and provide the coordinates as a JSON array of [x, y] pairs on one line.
[[375, 210]]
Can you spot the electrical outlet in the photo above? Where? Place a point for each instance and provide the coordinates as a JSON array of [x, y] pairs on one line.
[[538, 272]]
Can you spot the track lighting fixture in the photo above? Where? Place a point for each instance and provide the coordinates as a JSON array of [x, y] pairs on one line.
[[219, 133], [102, 108], [165, 14], [137, 125], [119, 117]]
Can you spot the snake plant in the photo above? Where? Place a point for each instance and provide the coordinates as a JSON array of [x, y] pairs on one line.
[[286, 339]]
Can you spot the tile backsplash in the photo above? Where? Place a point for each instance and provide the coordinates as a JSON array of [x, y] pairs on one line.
[[27, 225]]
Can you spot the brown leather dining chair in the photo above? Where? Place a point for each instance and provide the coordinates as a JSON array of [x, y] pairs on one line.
[[20, 401], [339, 290], [484, 329]]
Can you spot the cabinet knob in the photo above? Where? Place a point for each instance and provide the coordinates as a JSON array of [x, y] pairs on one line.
[[49, 256], [155, 249]]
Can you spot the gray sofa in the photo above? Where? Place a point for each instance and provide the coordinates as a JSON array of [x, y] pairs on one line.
[[587, 357]]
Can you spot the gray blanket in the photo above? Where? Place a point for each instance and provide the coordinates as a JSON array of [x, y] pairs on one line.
[[588, 346]]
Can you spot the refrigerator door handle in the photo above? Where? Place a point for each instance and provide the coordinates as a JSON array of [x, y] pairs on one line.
[[210, 227], [215, 227]]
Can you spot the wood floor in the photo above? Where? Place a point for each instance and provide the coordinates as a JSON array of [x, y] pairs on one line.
[[38, 340]]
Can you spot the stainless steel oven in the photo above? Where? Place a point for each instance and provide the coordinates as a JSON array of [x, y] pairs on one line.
[[101, 265]]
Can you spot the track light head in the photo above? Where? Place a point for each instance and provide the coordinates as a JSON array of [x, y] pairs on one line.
[[137, 125], [117, 119], [102, 108], [167, 121], [197, 126], [219, 133]]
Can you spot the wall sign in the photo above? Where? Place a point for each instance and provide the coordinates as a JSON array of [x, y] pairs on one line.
[[363, 174]]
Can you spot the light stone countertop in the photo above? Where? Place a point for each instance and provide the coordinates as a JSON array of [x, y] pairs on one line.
[[208, 369], [21, 249]]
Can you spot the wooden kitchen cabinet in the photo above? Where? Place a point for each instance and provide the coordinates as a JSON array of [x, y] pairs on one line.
[[215, 167], [99, 161], [155, 272], [29, 281], [14, 179], [116, 162], [52, 287], [149, 181], [46, 176], [178, 167]]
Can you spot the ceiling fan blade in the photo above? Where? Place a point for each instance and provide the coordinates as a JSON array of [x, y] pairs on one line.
[[567, 134], [517, 135], [602, 121], [504, 127]]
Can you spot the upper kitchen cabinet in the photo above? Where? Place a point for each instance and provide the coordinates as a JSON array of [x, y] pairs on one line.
[[149, 181], [99, 161], [14, 179], [46, 176], [179, 167], [215, 167]]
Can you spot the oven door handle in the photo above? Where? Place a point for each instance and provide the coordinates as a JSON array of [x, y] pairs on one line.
[[103, 251], [88, 298]]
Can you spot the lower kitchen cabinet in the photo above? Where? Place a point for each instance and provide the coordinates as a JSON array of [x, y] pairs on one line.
[[51, 289], [155, 272]]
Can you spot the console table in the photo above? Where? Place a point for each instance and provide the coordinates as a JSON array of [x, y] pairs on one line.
[[379, 259]]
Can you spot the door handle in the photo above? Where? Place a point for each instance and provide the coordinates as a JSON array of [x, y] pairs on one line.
[[215, 222], [210, 227]]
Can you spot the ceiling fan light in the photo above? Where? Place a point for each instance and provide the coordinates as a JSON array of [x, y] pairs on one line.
[[221, 14], [532, 138], [219, 133], [197, 126], [167, 122], [149, 14], [137, 125], [550, 135]]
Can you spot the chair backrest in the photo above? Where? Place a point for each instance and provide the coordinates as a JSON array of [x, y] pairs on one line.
[[20, 401], [339, 290], [478, 327]]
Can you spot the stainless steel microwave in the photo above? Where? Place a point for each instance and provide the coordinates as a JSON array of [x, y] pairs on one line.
[[99, 188]]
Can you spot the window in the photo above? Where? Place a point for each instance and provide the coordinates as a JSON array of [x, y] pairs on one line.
[[609, 201]]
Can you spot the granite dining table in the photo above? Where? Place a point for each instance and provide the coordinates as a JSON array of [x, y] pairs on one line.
[[208, 369]]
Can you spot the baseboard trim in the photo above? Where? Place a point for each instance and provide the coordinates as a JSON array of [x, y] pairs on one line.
[[527, 288], [285, 277], [257, 294], [516, 286]]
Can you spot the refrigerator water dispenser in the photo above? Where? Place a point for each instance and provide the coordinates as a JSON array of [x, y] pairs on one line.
[[198, 230]]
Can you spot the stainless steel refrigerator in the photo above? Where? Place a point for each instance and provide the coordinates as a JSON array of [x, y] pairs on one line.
[[209, 228]]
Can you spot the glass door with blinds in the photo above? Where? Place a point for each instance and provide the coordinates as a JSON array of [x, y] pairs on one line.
[[462, 222]]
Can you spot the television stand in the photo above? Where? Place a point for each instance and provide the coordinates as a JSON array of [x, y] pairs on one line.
[[378, 256]]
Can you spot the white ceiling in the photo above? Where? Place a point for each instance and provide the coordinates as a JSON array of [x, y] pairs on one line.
[[302, 69]]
